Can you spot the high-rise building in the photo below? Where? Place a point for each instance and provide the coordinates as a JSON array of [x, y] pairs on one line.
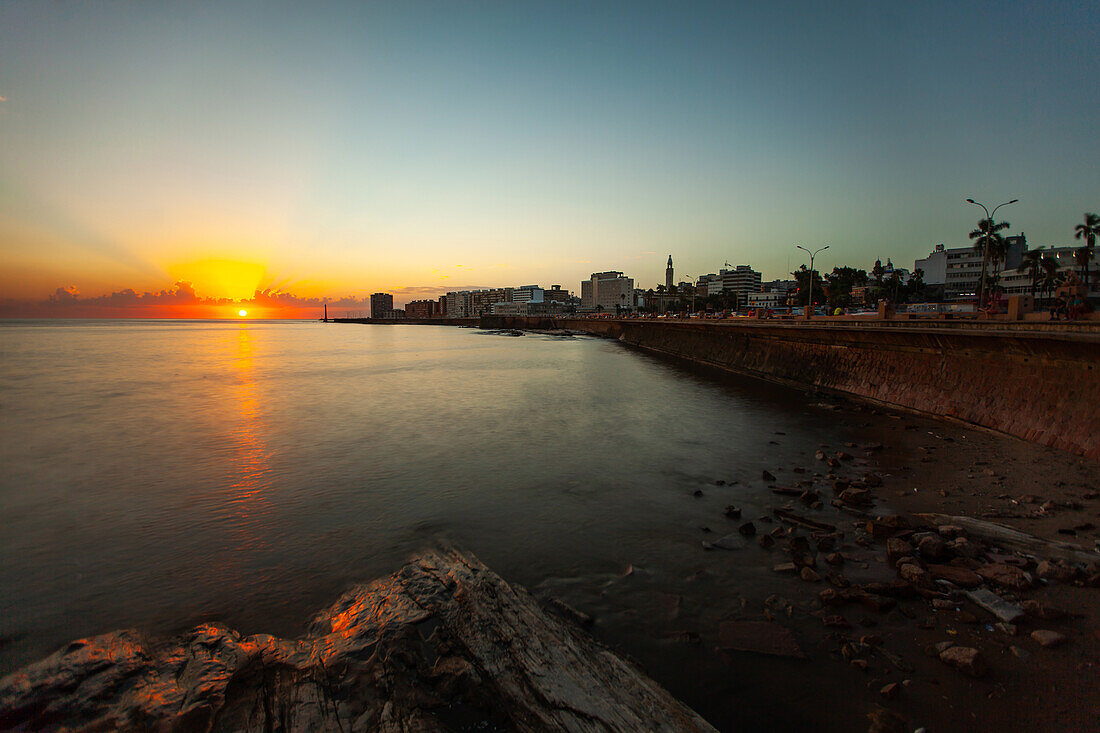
[[669, 279], [381, 305], [741, 280], [607, 292], [458, 304], [422, 309], [481, 301]]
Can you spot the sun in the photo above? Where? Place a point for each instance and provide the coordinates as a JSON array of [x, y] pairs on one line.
[[242, 313]]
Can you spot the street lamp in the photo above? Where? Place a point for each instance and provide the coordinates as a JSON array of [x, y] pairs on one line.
[[812, 255], [985, 253]]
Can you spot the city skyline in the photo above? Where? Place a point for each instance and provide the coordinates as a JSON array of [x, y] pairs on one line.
[[418, 149]]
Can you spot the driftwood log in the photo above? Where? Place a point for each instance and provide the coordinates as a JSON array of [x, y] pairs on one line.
[[1014, 539], [442, 644]]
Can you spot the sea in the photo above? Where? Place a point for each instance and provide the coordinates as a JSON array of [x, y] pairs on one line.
[[155, 474]]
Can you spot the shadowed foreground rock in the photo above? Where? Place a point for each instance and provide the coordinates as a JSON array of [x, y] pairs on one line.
[[442, 644]]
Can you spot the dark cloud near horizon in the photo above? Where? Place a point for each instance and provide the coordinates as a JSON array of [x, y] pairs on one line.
[[67, 302]]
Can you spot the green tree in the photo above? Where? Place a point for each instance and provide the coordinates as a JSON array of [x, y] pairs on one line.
[[839, 284], [1049, 276], [989, 242], [802, 277], [915, 286], [1087, 232]]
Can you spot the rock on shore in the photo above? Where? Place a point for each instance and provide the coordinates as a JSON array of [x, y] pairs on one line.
[[442, 644]]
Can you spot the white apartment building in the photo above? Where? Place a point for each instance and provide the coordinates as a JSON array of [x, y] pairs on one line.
[[527, 294], [961, 267], [770, 299]]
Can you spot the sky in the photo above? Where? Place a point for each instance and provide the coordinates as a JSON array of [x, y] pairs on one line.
[[288, 154]]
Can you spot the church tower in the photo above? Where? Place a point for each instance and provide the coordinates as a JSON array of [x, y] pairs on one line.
[[668, 274]]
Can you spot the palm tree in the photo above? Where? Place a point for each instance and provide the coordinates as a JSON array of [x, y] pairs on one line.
[[1088, 232], [988, 240], [1049, 275], [1031, 264]]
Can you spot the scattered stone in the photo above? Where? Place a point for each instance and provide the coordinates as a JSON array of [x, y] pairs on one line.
[[697, 493], [855, 497], [836, 621], [956, 575], [942, 646], [733, 512], [766, 541], [841, 455], [748, 529], [834, 558], [1052, 571], [890, 690], [916, 575], [720, 482], [965, 659], [1010, 629], [768, 476], [942, 604], [1020, 653], [785, 568], [1048, 638], [820, 455], [896, 549], [885, 721], [872, 479], [760, 637], [950, 531], [1006, 576], [896, 589], [809, 575], [932, 547], [1042, 611], [963, 547], [837, 580], [729, 542], [843, 596], [860, 664], [999, 607]]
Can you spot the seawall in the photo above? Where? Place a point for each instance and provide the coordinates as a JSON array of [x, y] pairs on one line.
[[1039, 384]]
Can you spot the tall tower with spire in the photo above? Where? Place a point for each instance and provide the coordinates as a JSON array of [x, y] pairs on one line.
[[668, 274]]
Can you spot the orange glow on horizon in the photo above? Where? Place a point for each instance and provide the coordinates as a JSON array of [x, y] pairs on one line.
[[220, 278]]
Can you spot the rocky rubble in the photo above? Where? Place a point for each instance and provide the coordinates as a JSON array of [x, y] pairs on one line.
[[949, 571]]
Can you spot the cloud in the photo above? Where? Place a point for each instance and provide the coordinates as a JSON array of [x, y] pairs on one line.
[[182, 301]]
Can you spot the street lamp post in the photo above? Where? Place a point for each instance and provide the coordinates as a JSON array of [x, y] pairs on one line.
[[693, 289], [812, 255], [985, 253]]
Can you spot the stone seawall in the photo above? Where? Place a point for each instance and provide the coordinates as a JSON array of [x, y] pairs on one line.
[[1040, 385]]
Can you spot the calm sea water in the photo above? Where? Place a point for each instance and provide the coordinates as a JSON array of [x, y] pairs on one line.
[[157, 473]]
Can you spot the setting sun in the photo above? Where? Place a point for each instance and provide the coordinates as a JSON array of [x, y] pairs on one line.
[[242, 313]]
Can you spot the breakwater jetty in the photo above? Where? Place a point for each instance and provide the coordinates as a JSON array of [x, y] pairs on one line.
[[1036, 381]]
